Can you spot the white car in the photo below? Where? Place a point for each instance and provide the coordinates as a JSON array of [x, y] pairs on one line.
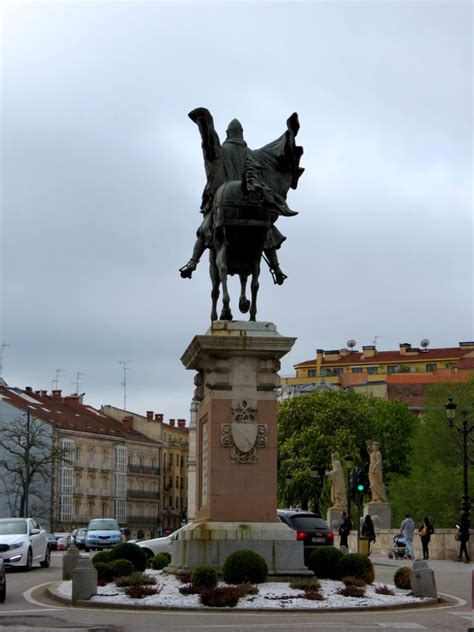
[[159, 545], [23, 542]]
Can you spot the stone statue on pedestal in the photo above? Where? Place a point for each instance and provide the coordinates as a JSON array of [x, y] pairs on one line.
[[338, 487], [377, 487]]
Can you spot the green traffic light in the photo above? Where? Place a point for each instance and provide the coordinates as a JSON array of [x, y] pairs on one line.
[[360, 488]]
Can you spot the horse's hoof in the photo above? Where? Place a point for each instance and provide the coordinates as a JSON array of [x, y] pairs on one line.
[[244, 305], [226, 314]]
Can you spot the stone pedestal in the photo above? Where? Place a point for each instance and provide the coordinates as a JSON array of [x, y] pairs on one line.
[[333, 517], [237, 366], [380, 513]]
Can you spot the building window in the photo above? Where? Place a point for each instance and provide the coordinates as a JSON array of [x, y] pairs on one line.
[[105, 457], [372, 370], [78, 455], [141, 460], [120, 458], [430, 367], [91, 457], [338, 371], [356, 369], [171, 459], [312, 373]]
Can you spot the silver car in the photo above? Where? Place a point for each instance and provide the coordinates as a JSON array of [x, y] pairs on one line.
[[23, 542]]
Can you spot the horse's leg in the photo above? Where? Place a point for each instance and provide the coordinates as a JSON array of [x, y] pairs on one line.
[[254, 285], [221, 261], [214, 274], [244, 303]]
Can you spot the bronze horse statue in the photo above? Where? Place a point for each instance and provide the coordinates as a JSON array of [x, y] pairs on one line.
[[241, 222], [244, 195]]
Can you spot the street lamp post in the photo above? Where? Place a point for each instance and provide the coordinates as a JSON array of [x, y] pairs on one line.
[[465, 431], [349, 459], [314, 475]]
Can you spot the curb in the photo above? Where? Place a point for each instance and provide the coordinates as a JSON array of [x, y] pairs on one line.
[[105, 606]]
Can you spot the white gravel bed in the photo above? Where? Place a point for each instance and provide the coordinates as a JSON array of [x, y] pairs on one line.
[[271, 595]]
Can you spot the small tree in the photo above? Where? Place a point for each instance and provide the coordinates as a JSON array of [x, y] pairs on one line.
[[27, 457]]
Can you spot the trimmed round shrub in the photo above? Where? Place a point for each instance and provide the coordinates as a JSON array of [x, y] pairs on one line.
[[121, 568], [204, 576], [131, 552], [135, 579], [402, 577], [104, 572], [102, 556], [159, 561], [324, 560], [168, 555], [245, 566], [356, 565]]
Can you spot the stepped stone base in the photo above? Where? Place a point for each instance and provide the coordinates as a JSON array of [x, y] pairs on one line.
[[212, 542], [380, 513]]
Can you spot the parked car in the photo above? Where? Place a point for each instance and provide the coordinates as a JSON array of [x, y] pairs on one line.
[[53, 543], [3, 582], [80, 538], [23, 542], [158, 545], [63, 544], [309, 527], [102, 533]]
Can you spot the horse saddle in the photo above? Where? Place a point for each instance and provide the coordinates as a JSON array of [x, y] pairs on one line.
[[232, 207]]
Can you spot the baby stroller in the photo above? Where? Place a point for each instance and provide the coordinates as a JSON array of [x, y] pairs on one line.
[[399, 547]]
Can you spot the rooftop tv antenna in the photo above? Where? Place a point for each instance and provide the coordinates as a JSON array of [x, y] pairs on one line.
[[56, 379], [124, 383], [424, 343], [351, 344], [2, 349], [376, 338], [78, 380]]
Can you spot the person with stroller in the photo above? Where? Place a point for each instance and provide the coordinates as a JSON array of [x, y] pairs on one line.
[[407, 529], [344, 529], [368, 530], [463, 536], [425, 530]]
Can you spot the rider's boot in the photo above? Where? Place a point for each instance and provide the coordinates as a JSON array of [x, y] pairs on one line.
[[187, 271], [277, 273]]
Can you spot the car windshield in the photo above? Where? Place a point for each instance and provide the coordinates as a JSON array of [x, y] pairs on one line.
[[103, 525], [308, 523], [81, 531], [13, 527]]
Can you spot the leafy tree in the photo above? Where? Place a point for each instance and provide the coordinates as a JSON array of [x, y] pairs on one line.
[[435, 483], [27, 456], [312, 426]]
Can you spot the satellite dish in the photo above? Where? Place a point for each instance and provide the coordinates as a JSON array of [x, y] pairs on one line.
[[351, 344], [424, 343]]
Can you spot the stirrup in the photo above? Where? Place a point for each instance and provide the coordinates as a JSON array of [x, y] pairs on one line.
[[187, 271]]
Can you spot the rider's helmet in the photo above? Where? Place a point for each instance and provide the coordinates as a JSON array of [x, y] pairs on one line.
[[235, 131]]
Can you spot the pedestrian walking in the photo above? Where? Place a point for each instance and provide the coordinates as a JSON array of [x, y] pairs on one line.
[[425, 530], [407, 529], [368, 530], [344, 529], [463, 536]]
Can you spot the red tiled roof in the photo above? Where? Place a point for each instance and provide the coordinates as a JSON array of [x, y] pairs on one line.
[[69, 414], [357, 357]]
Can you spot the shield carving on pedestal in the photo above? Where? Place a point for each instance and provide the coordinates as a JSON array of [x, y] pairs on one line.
[[244, 435]]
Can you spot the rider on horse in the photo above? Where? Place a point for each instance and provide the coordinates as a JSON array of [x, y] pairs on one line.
[[273, 169]]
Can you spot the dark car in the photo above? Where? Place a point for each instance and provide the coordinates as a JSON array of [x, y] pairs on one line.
[[310, 528], [3, 582], [53, 543]]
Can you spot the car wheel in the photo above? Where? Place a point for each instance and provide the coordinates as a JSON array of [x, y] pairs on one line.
[[3, 592], [29, 561], [47, 559]]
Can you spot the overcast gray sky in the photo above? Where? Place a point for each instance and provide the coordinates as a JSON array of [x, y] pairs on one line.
[[103, 174]]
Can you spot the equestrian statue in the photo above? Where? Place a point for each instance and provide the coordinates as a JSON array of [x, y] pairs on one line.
[[244, 195]]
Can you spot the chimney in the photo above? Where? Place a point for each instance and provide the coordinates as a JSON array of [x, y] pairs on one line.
[[43, 393], [369, 351], [149, 415], [181, 423], [404, 347], [159, 418], [127, 422], [37, 392], [56, 394], [172, 423], [74, 400], [28, 389]]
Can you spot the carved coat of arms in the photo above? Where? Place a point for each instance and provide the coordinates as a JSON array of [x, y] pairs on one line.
[[244, 435]]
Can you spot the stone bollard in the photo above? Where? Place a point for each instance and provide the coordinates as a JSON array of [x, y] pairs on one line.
[[422, 580], [70, 559], [84, 580]]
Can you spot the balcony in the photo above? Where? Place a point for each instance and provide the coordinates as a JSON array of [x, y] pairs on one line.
[[106, 467], [92, 491], [148, 470], [105, 491], [141, 494], [92, 465], [142, 520], [78, 491]]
